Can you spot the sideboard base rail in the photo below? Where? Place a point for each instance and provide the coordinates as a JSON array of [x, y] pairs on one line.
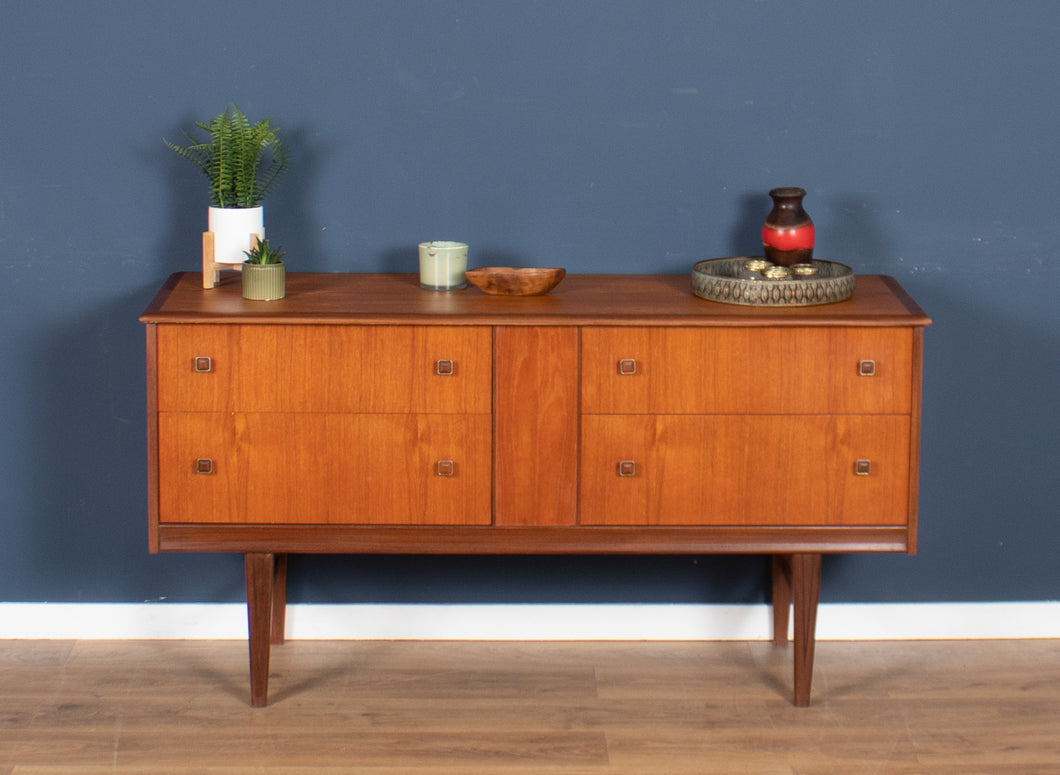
[[448, 539]]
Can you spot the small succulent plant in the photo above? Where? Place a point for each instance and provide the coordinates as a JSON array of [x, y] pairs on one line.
[[263, 253]]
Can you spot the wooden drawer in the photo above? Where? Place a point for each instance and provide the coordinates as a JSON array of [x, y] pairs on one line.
[[370, 369], [744, 470], [746, 370], [282, 468]]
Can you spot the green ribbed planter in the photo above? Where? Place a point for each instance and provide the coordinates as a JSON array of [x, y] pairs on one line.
[[264, 282]]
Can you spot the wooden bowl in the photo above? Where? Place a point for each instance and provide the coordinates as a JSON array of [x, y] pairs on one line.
[[515, 281]]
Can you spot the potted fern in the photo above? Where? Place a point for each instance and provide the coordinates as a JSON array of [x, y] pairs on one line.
[[264, 276], [243, 162]]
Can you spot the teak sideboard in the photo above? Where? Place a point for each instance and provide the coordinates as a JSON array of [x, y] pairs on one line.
[[618, 414]]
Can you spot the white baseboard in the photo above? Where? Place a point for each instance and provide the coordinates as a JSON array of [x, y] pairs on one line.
[[223, 621]]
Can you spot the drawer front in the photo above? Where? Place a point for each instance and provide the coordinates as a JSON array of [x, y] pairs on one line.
[[744, 470], [746, 370], [280, 468], [370, 369]]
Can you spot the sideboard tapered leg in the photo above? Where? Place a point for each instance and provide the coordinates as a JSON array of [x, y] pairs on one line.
[[806, 585], [781, 598], [279, 601], [261, 579]]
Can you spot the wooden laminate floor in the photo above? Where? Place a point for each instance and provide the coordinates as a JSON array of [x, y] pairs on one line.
[[169, 707]]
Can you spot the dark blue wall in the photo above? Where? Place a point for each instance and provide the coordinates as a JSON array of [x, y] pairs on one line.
[[601, 135]]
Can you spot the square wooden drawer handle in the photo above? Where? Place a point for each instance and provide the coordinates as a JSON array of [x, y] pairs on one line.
[[445, 468], [203, 364], [627, 366], [863, 467], [867, 368], [627, 468], [444, 368], [204, 466]]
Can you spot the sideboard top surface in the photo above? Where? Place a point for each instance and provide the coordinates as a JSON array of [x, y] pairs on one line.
[[620, 300]]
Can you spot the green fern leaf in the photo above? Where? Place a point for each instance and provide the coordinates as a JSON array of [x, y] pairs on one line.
[[232, 157]]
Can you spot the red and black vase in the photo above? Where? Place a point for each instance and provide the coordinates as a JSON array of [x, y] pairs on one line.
[[788, 233]]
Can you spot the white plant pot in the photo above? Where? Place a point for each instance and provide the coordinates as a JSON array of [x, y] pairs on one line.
[[234, 230]]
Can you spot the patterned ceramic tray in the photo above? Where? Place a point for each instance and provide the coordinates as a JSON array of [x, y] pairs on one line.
[[727, 280]]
